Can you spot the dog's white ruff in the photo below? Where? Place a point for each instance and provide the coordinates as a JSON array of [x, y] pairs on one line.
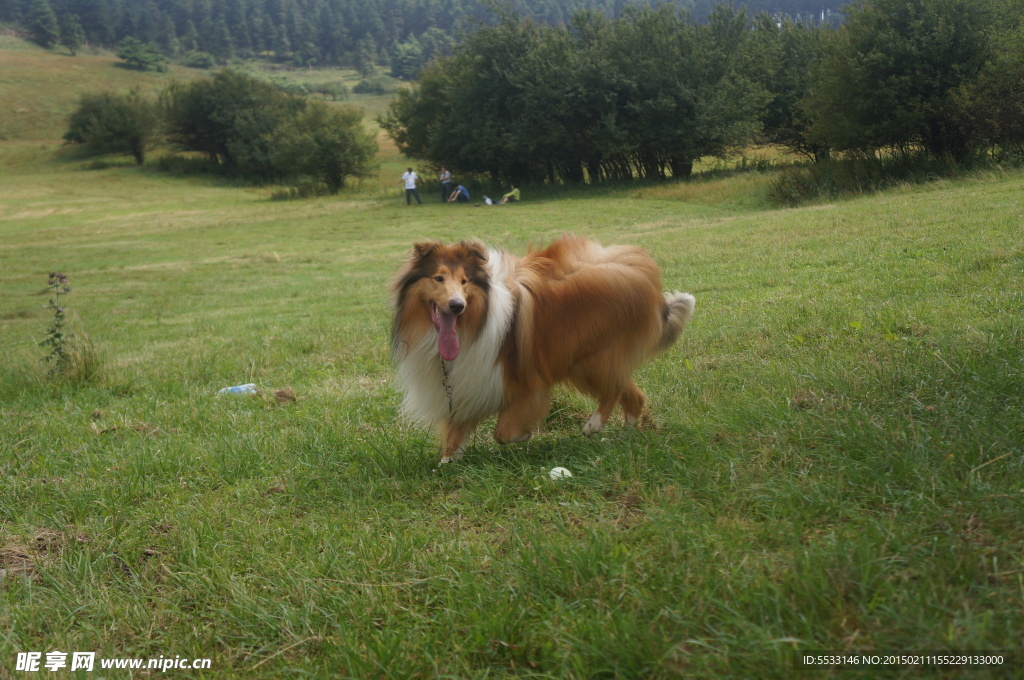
[[475, 376]]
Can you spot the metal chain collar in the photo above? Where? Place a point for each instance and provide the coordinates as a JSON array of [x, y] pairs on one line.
[[447, 386]]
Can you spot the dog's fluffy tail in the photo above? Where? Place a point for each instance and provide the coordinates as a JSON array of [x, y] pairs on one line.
[[677, 313]]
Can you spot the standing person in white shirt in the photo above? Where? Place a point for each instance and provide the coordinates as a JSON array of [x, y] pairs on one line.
[[411, 178]]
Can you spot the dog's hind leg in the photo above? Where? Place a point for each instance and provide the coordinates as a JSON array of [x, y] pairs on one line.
[[595, 379], [633, 401], [600, 417]]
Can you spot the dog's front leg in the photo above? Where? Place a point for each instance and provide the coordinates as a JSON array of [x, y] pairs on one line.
[[453, 438], [521, 419]]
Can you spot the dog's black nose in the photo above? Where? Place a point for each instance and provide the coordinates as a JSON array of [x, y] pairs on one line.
[[457, 306]]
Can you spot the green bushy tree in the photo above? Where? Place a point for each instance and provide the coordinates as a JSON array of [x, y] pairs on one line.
[[327, 143], [992, 106], [789, 53], [230, 118], [113, 123], [645, 95], [890, 76], [253, 128]]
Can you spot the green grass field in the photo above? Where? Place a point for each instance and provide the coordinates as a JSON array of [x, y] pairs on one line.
[[838, 462]]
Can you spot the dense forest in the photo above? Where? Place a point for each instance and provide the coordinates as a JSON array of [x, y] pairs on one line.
[[356, 33]]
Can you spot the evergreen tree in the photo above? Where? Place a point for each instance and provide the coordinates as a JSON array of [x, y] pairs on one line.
[[306, 51], [436, 43], [366, 56], [268, 34], [215, 38], [71, 34], [238, 24], [190, 39], [407, 59], [282, 44], [167, 37], [97, 18], [140, 56], [8, 10], [41, 23]]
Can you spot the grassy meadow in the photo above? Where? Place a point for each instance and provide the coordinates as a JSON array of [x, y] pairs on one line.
[[838, 462]]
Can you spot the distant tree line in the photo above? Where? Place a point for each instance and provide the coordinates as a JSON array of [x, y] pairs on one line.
[[360, 33], [649, 93], [243, 125]]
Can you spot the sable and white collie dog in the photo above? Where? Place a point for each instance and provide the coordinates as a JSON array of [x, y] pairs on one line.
[[479, 331]]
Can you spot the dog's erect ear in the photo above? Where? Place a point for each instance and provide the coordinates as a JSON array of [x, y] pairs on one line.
[[421, 250], [477, 249]]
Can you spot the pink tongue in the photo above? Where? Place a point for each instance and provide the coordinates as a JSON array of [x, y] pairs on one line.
[[447, 340]]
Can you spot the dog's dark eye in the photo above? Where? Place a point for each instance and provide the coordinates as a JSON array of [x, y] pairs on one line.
[[464, 282], [439, 279]]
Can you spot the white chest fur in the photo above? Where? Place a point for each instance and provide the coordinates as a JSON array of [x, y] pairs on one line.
[[475, 377]]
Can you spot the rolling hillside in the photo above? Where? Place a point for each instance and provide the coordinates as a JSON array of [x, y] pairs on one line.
[[40, 88]]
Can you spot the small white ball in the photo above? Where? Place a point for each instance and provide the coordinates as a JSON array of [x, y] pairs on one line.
[[559, 473]]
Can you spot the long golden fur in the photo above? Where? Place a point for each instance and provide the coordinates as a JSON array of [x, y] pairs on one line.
[[506, 329]]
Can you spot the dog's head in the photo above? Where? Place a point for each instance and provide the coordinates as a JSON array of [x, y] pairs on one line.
[[447, 284]]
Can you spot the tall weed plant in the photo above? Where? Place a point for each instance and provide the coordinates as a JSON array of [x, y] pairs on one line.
[[71, 354]]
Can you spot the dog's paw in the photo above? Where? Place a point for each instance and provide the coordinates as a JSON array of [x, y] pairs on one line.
[[594, 425], [525, 437], [643, 422], [450, 458]]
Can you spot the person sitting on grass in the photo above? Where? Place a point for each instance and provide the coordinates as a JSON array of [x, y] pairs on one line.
[[460, 194], [512, 196]]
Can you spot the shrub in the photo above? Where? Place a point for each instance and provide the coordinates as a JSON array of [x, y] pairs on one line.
[[336, 91], [793, 186], [375, 85], [203, 60], [288, 85], [857, 174]]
